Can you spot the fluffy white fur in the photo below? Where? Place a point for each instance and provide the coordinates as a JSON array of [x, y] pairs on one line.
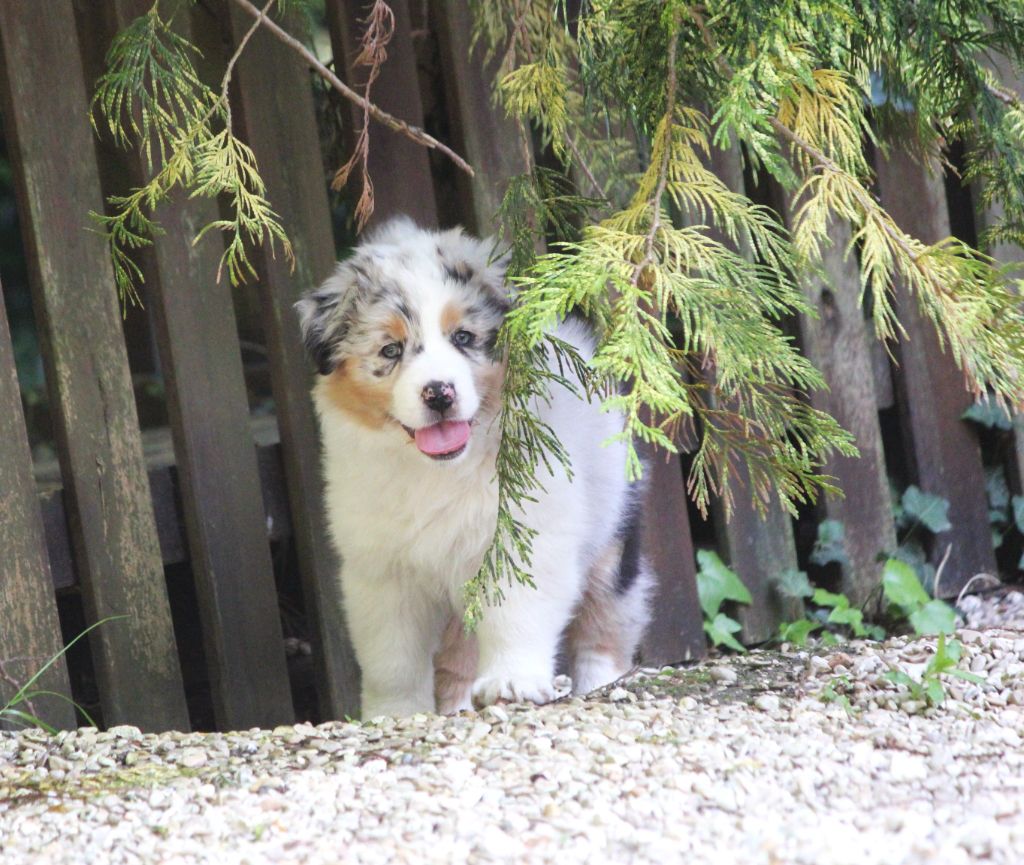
[[411, 530]]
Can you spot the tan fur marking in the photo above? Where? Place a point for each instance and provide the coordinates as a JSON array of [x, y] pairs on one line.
[[396, 329], [489, 381], [451, 316], [454, 667], [596, 627], [364, 401]]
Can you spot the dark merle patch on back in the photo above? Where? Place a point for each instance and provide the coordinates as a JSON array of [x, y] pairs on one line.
[[631, 534]]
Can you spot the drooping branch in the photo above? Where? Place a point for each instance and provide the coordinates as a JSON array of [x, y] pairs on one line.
[[659, 190], [378, 114]]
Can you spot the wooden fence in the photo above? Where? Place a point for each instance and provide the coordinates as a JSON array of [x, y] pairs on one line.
[[218, 488]]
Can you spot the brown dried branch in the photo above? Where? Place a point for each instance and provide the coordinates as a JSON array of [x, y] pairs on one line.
[[380, 28], [407, 129]]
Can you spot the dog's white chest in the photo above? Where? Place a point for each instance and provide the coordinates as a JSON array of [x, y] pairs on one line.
[[419, 521]]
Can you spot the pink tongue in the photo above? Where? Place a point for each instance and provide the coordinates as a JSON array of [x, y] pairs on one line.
[[442, 438]]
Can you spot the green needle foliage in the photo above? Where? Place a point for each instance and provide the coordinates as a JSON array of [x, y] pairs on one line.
[[688, 282], [152, 98]]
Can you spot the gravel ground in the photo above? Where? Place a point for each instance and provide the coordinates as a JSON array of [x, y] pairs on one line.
[[775, 757]]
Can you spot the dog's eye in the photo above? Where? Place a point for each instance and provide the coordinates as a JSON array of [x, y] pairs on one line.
[[462, 339], [392, 351]]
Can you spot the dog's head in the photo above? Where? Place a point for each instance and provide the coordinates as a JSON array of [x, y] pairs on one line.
[[403, 335]]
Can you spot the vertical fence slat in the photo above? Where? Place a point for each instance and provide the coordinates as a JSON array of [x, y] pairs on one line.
[[1008, 253], [399, 168], [276, 113], [676, 630], [117, 553], [30, 635], [216, 461], [838, 344], [758, 547], [482, 133], [941, 449]]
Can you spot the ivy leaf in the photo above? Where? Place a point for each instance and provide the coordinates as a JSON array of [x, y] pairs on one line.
[[830, 545], [794, 584], [849, 616], [721, 630], [902, 587], [997, 491], [717, 583], [824, 598], [929, 510], [797, 632], [989, 414], [935, 617], [1018, 512], [912, 553]]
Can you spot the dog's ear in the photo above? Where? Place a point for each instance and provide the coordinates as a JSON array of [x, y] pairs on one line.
[[471, 261], [324, 316]]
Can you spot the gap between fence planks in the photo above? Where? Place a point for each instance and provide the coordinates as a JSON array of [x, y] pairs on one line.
[[30, 632], [941, 450], [112, 524]]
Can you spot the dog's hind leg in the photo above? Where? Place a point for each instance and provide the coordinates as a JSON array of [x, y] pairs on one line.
[[455, 669], [610, 620]]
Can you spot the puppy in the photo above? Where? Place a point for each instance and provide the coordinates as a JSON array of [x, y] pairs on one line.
[[409, 397]]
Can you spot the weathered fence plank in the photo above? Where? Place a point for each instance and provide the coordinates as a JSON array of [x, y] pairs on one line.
[[1007, 253], [116, 547], [30, 634], [941, 450], [399, 167], [676, 631], [217, 475], [838, 344], [275, 110], [163, 485]]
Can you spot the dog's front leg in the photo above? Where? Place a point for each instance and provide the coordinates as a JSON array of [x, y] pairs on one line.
[[519, 637], [395, 629]]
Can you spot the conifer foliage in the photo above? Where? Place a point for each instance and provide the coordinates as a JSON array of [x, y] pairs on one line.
[[688, 281]]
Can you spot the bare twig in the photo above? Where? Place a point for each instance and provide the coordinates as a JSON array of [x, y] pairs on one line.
[[993, 580], [226, 80], [381, 116], [582, 163], [380, 27], [940, 569], [508, 58]]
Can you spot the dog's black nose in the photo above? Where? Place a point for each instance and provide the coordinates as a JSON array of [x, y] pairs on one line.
[[439, 395]]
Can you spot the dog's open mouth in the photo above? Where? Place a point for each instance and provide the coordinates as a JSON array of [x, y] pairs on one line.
[[444, 440]]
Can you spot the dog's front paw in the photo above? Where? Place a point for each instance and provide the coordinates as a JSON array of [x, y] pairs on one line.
[[488, 690]]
